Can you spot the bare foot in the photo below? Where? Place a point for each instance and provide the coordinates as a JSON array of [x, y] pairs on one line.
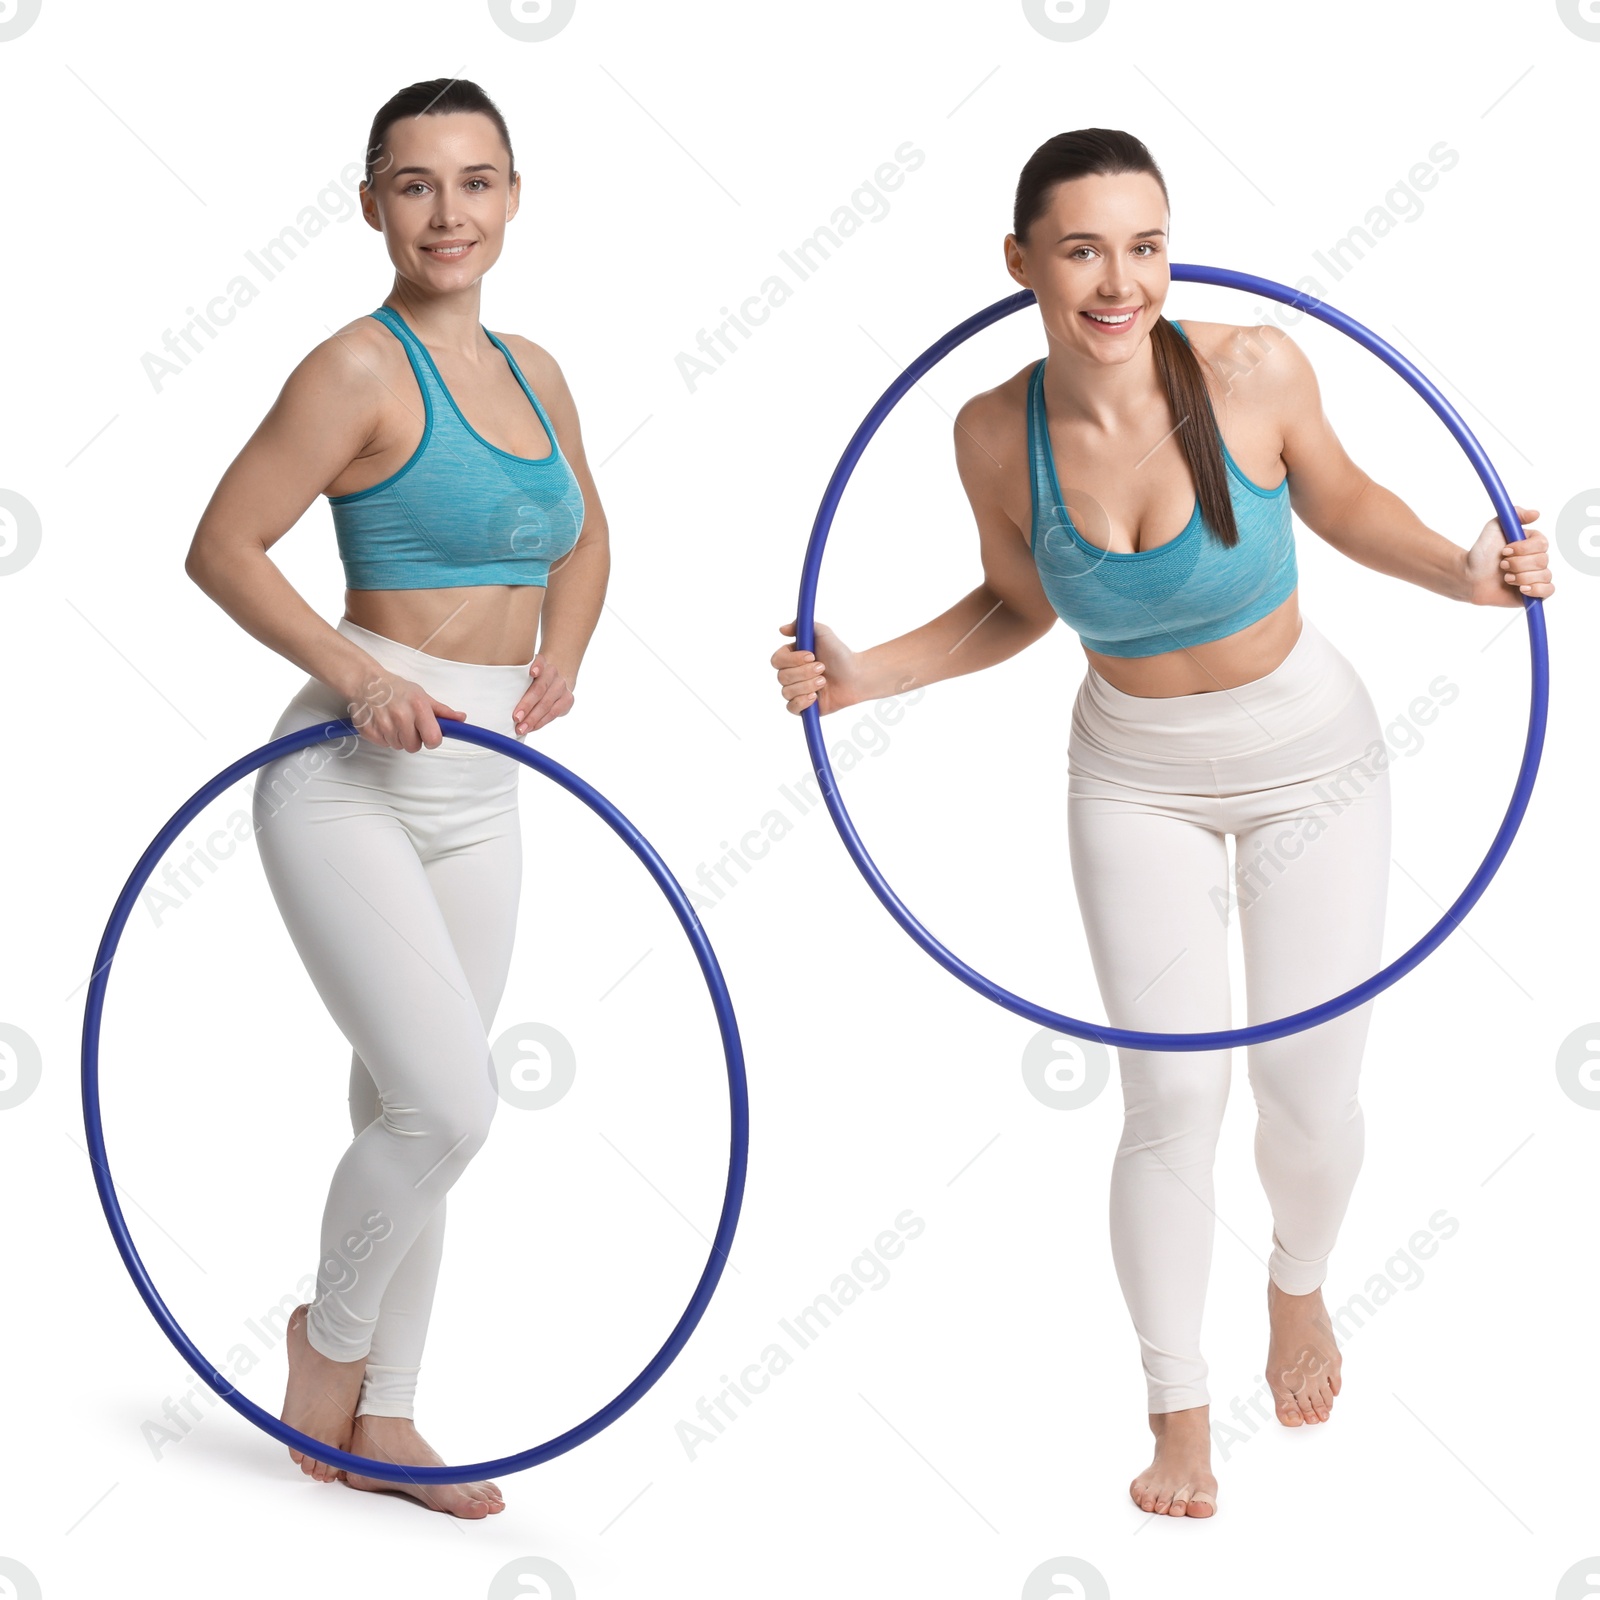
[[396, 1439], [321, 1397], [1302, 1357], [1178, 1482]]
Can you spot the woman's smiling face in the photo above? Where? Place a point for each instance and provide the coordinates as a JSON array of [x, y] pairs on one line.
[[1099, 248], [442, 193]]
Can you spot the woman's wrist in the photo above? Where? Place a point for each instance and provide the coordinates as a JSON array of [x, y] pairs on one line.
[[883, 674], [353, 680], [565, 665]]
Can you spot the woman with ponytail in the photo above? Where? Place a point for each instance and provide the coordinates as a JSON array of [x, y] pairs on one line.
[[1210, 706]]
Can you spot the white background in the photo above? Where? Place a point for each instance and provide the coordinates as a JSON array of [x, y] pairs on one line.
[[978, 1415]]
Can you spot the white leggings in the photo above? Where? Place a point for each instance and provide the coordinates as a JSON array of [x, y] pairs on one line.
[[397, 874], [1294, 765]]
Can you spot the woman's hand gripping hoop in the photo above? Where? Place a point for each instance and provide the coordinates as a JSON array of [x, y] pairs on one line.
[[737, 1099], [1510, 523]]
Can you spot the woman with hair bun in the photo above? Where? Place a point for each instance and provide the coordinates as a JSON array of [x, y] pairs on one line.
[[475, 559]]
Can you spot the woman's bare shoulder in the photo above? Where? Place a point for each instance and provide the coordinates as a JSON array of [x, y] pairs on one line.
[[539, 367], [1234, 351], [994, 421], [361, 355]]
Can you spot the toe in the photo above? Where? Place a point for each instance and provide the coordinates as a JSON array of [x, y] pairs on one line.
[[1202, 1504]]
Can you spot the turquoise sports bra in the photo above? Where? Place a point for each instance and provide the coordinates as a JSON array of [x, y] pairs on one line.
[[460, 511], [1188, 591]]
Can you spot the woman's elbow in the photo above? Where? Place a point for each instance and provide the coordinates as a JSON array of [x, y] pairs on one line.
[[197, 563], [206, 560]]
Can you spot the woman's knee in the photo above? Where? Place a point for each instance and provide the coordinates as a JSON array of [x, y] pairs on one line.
[[463, 1122], [1303, 1090], [1173, 1099], [1309, 1129], [453, 1114]]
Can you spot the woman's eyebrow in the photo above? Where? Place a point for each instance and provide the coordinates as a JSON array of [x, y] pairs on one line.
[[1147, 233]]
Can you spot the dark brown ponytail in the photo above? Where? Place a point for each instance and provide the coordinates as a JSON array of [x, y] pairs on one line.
[[1105, 152]]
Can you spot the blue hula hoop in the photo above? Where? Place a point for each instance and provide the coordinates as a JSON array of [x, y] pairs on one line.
[[805, 639], [737, 1096]]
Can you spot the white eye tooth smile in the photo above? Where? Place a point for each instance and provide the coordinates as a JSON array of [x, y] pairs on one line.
[[1127, 316]]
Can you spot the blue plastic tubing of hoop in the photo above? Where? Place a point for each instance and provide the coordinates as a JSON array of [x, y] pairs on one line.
[[739, 1137], [805, 639]]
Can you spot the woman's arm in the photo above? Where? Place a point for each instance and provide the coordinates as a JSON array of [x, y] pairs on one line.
[[577, 584], [324, 417], [1365, 521], [1006, 613]]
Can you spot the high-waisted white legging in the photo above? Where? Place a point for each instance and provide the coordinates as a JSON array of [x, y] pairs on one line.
[[1294, 765], [397, 874]]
